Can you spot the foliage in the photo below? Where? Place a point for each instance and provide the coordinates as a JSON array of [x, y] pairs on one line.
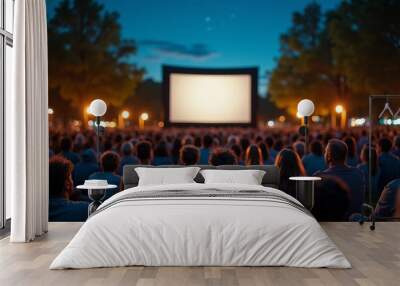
[[342, 56], [87, 56]]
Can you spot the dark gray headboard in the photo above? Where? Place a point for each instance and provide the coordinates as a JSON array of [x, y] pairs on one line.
[[270, 179]]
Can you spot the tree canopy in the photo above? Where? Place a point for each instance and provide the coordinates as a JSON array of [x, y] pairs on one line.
[[88, 58], [342, 55]]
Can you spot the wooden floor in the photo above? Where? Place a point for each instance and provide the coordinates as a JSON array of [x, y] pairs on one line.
[[375, 257]]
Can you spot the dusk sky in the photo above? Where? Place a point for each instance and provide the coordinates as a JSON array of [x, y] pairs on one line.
[[206, 33]]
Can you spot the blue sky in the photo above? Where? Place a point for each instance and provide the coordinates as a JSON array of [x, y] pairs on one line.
[[206, 33]]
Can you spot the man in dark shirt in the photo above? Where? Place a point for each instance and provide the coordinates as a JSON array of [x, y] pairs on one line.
[[66, 151], [335, 156]]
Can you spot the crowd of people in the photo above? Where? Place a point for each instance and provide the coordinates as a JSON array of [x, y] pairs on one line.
[[341, 158]]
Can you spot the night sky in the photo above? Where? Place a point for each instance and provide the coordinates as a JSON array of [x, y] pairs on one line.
[[206, 33]]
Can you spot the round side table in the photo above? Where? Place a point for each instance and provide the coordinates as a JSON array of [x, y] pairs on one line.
[[96, 194], [305, 190]]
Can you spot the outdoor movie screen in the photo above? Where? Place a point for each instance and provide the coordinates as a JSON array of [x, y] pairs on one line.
[[210, 96]]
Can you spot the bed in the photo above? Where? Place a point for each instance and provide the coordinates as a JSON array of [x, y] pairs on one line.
[[197, 224]]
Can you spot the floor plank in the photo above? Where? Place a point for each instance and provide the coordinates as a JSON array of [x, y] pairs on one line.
[[375, 257]]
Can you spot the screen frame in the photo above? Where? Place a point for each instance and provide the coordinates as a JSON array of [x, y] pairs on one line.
[[167, 70]]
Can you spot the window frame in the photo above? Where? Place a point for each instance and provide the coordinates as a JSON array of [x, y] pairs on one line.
[[6, 39]]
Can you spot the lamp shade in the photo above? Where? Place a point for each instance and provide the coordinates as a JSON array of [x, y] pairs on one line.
[[97, 107], [305, 107]]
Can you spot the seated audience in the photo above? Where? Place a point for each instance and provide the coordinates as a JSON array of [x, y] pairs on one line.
[[144, 152], [314, 161], [290, 165], [127, 157], [66, 151], [269, 141], [364, 168], [87, 166], [109, 165], [253, 156], [222, 156], [61, 186], [352, 158], [161, 156], [388, 205], [331, 199], [189, 155], [206, 150], [335, 156], [389, 164]]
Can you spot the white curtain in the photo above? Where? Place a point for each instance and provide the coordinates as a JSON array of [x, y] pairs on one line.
[[27, 124]]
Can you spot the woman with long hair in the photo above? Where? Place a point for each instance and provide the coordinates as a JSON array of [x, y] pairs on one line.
[[290, 165], [253, 156]]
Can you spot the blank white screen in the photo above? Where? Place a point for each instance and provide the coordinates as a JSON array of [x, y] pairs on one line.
[[197, 98]]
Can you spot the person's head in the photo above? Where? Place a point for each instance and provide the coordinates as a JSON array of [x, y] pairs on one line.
[[269, 140], [65, 144], [374, 158], [317, 148], [109, 161], [299, 148], [207, 141], [144, 152], [397, 142], [351, 146], [244, 143], [289, 163], [161, 149], [264, 150], [389, 202], [336, 152], [189, 155], [127, 149], [237, 150], [60, 177], [253, 155], [222, 156], [385, 145], [332, 199]]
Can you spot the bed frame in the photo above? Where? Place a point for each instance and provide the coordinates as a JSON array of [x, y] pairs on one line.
[[270, 179]]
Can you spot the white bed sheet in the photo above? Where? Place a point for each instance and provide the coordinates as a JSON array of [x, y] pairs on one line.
[[200, 232]]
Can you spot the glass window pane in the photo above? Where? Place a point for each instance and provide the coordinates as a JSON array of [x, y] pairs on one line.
[[8, 87], [1, 14], [9, 9], [2, 205]]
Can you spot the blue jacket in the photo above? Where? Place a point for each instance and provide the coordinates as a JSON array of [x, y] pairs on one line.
[[62, 209], [354, 180], [313, 163], [389, 166], [85, 168], [71, 156], [127, 160]]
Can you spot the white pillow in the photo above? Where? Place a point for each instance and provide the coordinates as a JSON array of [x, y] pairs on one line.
[[166, 176], [248, 177]]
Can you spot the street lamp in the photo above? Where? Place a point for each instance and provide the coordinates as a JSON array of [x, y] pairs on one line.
[[305, 108], [124, 115], [339, 108], [142, 118], [97, 108]]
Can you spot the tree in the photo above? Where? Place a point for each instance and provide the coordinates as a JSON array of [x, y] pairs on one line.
[[304, 68], [366, 34], [87, 56]]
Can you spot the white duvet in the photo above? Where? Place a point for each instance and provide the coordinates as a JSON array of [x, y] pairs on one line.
[[200, 231]]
